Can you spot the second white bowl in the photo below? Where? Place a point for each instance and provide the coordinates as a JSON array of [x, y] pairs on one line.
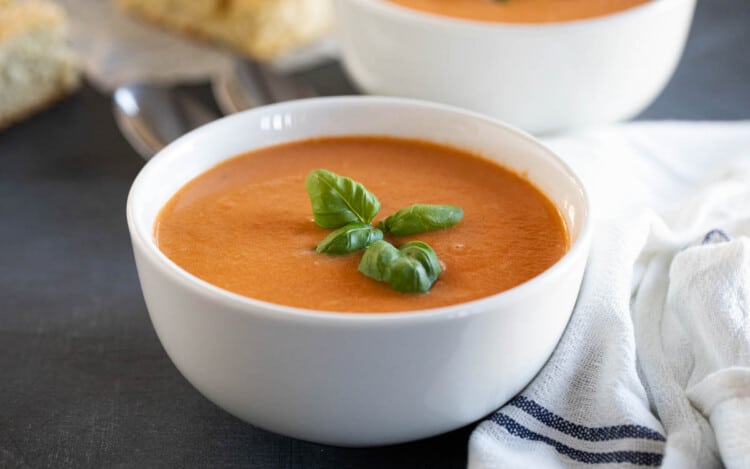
[[539, 77]]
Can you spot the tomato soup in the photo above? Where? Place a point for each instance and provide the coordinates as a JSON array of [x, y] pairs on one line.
[[246, 225], [521, 11]]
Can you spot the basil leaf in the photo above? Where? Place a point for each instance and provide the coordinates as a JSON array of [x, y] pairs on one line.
[[337, 200], [408, 275], [420, 218], [411, 269], [377, 258], [425, 255], [350, 238]]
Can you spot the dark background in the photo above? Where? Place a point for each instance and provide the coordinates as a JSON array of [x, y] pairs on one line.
[[84, 381]]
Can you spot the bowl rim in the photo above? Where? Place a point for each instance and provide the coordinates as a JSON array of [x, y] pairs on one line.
[[400, 12], [142, 237]]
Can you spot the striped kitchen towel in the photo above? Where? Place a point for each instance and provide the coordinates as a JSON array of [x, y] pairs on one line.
[[654, 366]]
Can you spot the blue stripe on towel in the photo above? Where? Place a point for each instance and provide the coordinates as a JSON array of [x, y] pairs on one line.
[[639, 458], [715, 236], [579, 431]]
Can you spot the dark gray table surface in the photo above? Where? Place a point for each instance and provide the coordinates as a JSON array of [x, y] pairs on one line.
[[84, 381]]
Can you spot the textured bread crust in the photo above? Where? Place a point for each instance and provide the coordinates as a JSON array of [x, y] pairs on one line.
[[37, 68], [18, 18], [262, 29]]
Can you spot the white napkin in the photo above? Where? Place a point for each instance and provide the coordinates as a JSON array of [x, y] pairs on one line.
[[654, 367]]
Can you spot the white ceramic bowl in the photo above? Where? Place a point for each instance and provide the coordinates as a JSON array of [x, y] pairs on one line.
[[539, 77], [355, 379]]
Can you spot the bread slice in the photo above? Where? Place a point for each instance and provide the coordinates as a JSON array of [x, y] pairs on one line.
[[37, 67], [262, 29]]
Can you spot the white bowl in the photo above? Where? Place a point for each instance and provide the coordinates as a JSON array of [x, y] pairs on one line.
[[539, 77], [355, 379]]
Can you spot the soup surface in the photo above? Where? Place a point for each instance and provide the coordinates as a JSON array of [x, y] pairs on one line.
[[521, 11], [246, 225]]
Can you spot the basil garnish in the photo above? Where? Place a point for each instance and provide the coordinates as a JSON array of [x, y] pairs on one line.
[[377, 258], [420, 218], [345, 204], [349, 238], [337, 200], [407, 275], [411, 269], [425, 255]]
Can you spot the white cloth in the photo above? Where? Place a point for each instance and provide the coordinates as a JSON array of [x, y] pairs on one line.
[[654, 366]]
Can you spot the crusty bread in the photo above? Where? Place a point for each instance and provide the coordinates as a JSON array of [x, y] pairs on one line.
[[262, 29], [37, 67]]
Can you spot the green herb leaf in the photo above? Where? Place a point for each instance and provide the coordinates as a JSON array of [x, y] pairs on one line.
[[407, 275], [420, 218], [377, 259], [411, 269], [425, 255], [337, 200], [350, 238]]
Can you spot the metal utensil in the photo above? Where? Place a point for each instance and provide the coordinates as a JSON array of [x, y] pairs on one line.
[[248, 84], [151, 115]]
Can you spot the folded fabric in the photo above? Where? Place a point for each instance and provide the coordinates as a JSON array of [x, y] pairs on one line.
[[654, 366]]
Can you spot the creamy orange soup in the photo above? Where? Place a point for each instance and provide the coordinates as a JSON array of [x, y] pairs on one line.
[[246, 225], [521, 11]]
